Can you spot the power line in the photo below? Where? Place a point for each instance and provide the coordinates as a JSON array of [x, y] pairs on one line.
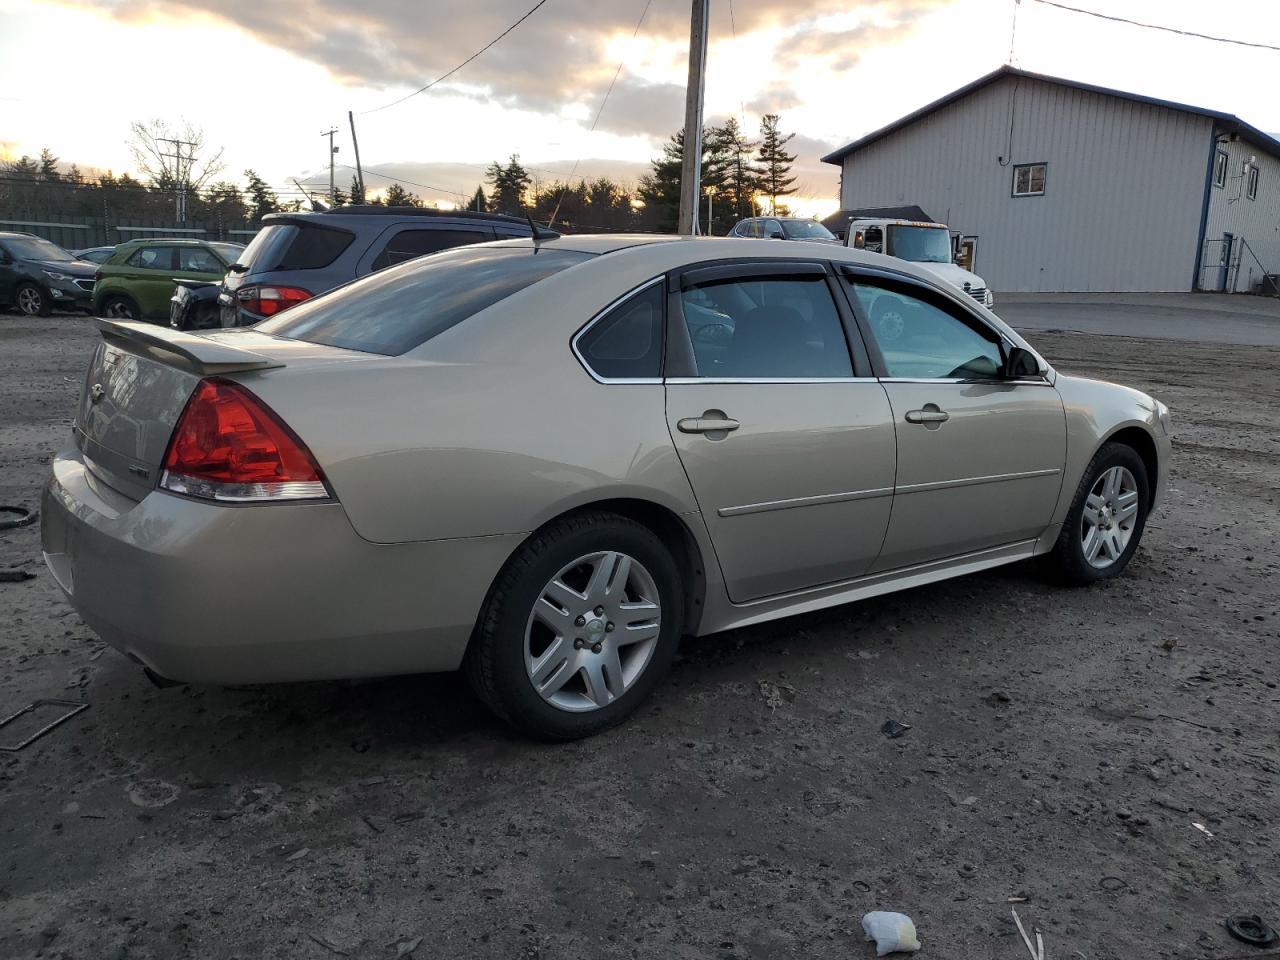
[[446, 76], [1156, 26], [412, 183], [616, 73]]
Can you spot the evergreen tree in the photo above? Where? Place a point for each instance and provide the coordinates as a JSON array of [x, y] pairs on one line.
[[660, 188], [24, 169], [741, 178], [262, 199], [357, 190], [510, 184], [478, 202], [398, 196], [775, 162], [49, 166], [340, 199]]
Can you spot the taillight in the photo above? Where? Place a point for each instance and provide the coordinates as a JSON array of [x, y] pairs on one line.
[[228, 445], [267, 301], [97, 275]]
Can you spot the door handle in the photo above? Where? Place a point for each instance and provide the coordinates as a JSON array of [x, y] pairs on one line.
[[929, 415], [708, 424]]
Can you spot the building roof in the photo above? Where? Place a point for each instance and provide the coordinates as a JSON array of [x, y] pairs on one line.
[[1228, 122]]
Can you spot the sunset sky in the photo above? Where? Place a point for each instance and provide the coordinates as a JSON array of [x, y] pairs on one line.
[[263, 78]]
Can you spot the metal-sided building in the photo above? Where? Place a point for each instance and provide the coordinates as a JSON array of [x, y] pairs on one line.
[[1062, 186]]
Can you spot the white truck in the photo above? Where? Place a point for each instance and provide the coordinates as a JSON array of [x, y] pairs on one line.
[[927, 244]]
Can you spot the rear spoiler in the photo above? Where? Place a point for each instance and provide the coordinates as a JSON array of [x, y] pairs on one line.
[[189, 351]]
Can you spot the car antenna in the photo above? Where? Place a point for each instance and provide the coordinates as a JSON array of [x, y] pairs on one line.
[[540, 233], [316, 205]]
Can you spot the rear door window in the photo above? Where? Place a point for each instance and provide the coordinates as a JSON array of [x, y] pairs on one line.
[[153, 258], [766, 327], [395, 310], [409, 244]]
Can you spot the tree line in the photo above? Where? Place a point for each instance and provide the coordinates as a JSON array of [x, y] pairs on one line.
[[743, 178]]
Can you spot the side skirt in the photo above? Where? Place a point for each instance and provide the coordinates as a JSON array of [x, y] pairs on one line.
[[728, 616]]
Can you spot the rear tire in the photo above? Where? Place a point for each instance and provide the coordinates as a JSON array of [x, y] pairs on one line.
[[120, 308], [32, 301], [1104, 525], [561, 664]]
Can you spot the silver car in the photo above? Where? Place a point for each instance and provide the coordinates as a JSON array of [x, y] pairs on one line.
[[546, 461]]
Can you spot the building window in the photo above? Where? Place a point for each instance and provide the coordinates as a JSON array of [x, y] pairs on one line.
[[1028, 179], [1251, 181], [1220, 169]]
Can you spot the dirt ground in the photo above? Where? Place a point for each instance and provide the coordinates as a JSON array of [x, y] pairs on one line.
[[1064, 746]]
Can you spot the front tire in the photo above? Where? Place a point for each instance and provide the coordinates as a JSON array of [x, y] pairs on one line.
[[32, 301], [1104, 525], [579, 627]]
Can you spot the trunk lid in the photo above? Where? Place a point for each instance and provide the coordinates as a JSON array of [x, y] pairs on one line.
[[139, 380]]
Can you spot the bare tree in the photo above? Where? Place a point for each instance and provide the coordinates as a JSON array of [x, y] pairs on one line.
[[171, 156]]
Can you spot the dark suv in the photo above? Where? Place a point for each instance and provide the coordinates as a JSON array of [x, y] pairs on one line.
[[296, 256], [36, 276]]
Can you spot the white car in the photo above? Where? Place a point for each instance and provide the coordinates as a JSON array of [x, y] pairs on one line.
[[928, 245]]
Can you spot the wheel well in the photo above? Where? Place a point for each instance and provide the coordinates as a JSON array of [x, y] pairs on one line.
[[1145, 447], [674, 534]]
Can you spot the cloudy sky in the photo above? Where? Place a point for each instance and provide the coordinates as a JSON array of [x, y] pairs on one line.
[[263, 78]]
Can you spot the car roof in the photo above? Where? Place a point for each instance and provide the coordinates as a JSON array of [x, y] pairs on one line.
[[16, 235]]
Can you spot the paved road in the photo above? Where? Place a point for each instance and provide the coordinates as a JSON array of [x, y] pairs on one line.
[[1202, 317]]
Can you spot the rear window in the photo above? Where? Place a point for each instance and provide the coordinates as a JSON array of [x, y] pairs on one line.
[[291, 246], [401, 307]]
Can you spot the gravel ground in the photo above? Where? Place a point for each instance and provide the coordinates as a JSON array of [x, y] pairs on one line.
[[1064, 746]]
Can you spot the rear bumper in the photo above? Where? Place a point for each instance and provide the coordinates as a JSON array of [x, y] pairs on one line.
[[207, 593]]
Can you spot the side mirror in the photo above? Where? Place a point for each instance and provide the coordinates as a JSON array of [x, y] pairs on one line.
[[859, 240], [1021, 365], [776, 235]]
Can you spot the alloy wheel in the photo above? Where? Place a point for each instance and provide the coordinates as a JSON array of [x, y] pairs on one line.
[[30, 301], [592, 631], [1109, 517], [119, 310]]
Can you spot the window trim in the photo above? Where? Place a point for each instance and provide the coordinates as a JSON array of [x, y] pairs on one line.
[[1013, 186], [600, 315], [1252, 174], [1221, 163]]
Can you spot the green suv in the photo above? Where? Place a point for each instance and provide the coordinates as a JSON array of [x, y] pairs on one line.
[[136, 282]]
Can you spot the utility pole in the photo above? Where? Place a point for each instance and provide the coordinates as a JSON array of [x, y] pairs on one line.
[[332, 150], [691, 170], [355, 145], [710, 218], [182, 165]]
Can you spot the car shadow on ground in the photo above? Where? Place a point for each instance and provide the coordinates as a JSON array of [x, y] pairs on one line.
[[345, 729]]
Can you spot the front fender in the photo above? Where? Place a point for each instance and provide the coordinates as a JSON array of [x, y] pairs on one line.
[[1097, 412]]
